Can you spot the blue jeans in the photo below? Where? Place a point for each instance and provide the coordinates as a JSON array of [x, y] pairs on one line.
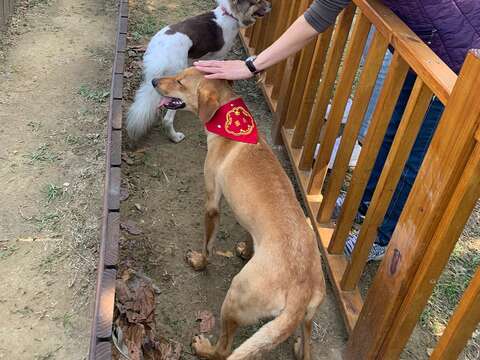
[[412, 165], [382, 74]]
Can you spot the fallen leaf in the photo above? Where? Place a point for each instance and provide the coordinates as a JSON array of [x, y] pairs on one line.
[[227, 254], [130, 227], [134, 330], [127, 74], [170, 352], [207, 321]]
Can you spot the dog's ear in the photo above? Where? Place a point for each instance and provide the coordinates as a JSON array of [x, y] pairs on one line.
[[208, 101]]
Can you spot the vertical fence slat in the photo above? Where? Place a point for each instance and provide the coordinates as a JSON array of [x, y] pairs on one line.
[[309, 92], [406, 134], [282, 105], [429, 201], [277, 72], [301, 77], [463, 322], [311, 86], [271, 21], [289, 11], [376, 131], [257, 33], [285, 8], [248, 33], [324, 94], [357, 111], [332, 127]]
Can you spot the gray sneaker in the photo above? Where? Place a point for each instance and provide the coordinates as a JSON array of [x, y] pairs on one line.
[[377, 252], [338, 207]]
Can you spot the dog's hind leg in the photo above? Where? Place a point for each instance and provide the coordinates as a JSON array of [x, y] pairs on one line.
[[303, 344], [212, 219], [205, 350], [167, 123], [229, 324]]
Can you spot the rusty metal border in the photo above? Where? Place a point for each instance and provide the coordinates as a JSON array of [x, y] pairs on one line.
[[101, 329]]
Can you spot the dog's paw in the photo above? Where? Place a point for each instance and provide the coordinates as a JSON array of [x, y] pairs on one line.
[[177, 137], [196, 260], [202, 347], [242, 250]]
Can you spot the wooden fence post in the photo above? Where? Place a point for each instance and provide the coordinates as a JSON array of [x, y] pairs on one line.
[[390, 307], [462, 324]]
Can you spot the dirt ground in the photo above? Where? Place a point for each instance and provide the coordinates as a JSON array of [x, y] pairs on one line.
[[55, 63], [166, 197], [166, 201]]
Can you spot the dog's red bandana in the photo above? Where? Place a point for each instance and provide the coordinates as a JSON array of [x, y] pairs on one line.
[[234, 121]]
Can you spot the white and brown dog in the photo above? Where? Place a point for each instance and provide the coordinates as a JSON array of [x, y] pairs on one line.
[[284, 279], [207, 36]]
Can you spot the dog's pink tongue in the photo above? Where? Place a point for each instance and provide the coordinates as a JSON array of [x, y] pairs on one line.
[[165, 100]]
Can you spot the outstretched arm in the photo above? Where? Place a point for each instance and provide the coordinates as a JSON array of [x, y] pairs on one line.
[[318, 17]]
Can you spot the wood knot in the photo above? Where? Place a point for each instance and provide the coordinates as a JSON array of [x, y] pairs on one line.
[[397, 256]]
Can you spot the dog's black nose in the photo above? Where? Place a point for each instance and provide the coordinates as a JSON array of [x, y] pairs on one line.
[[155, 83]]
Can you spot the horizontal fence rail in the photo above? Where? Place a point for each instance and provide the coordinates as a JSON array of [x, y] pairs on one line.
[[331, 72]]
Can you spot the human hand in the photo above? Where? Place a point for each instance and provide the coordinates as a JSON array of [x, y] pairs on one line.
[[228, 70]]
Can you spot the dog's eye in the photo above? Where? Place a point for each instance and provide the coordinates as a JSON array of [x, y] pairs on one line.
[[179, 83]]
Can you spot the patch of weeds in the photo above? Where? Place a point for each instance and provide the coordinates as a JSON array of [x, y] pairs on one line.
[[157, 173], [42, 154], [73, 140], [34, 126], [32, 3], [48, 261], [53, 192], [67, 321], [48, 220], [100, 54], [146, 26], [462, 264], [148, 160], [49, 355], [7, 251], [23, 311], [97, 95]]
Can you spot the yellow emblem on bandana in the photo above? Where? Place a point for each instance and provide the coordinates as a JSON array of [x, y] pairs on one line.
[[239, 122]]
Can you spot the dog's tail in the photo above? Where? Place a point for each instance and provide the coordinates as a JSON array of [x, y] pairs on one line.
[[143, 112], [274, 332]]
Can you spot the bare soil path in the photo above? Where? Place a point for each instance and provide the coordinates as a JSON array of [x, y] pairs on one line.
[[54, 66], [166, 202]]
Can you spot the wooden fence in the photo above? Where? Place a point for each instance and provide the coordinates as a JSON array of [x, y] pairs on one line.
[[445, 191], [6, 9]]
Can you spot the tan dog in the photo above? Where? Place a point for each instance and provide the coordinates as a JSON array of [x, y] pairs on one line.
[[284, 278]]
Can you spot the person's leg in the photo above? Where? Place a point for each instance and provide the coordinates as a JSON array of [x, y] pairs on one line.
[[382, 74], [387, 142], [410, 172]]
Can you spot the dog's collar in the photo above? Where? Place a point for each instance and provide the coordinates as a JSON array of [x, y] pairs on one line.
[[227, 13], [235, 122]]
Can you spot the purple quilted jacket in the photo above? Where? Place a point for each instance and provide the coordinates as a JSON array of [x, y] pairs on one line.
[[449, 27]]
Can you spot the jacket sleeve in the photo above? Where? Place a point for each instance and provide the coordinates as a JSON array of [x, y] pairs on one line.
[[322, 13]]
